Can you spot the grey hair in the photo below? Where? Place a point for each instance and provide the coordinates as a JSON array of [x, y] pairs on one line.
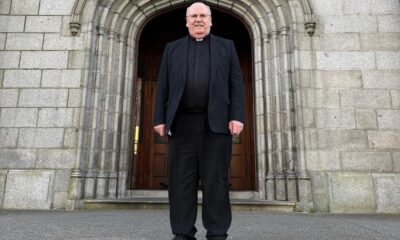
[[209, 9]]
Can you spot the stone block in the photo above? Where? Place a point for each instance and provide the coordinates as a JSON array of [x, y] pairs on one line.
[[351, 193], [18, 117], [61, 78], [329, 118], [5, 9], [9, 59], [76, 59], [25, 7], [384, 139], [65, 30], [387, 192], [381, 79], [60, 200], [338, 42], [345, 60], [380, 41], [24, 41], [8, 137], [323, 161], [367, 161], [316, 98], [62, 180], [51, 7], [327, 8], [307, 60], [57, 42], [22, 78], [308, 118], [388, 60], [389, 119], [43, 98], [2, 41], [371, 7], [56, 159], [337, 79], [75, 98], [3, 175], [12, 23], [395, 96], [8, 97], [320, 193], [350, 24], [365, 99], [342, 139], [43, 24], [17, 158], [44, 59], [389, 23], [366, 119], [29, 189], [70, 138], [55, 117], [41, 137], [396, 162]]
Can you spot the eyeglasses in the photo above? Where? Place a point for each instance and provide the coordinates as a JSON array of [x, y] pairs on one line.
[[195, 16]]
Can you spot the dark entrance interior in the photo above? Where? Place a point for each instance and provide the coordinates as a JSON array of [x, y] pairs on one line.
[[149, 163]]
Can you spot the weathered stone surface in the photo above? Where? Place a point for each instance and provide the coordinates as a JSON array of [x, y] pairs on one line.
[[342, 139], [323, 160], [60, 199], [366, 119], [389, 119], [17, 158], [24, 41], [75, 98], [388, 60], [3, 175], [18, 117], [57, 42], [55, 117], [396, 162], [389, 23], [43, 24], [44, 59], [367, 161], [316, 98], [395, 96], [327, 8], [56, 159], [308, 118], [8, 137], [76, 59], [62, 180], [306, 62], [351, 193], [381, 79], [338, 42], [350, 23], [384, 139], [41, 138], [387, 192], [380, 41], [70, 138], [25, 7], [43, 98], [5, 8], [365, 99], [9, 59], [331, 79], [2, 40], [12, 23], [345, 60], [8, 97], [368, 7], [22, 78], [335, 118], [320, 193], [61, 78], [29, 189], [51, 7]]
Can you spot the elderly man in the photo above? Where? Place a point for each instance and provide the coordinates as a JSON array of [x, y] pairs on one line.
[[200, 105]]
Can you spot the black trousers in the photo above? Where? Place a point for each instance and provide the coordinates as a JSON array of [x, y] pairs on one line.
[[196, 153]]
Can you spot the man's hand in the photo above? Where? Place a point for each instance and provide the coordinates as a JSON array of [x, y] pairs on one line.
[[235, 127], [160, 129]]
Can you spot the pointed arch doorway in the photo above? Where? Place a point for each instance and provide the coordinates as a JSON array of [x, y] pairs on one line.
[[149, 161]]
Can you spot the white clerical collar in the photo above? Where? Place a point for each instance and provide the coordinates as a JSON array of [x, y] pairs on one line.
[[199, 39]]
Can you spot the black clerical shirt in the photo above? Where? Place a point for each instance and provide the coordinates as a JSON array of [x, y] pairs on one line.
[[195, 95]]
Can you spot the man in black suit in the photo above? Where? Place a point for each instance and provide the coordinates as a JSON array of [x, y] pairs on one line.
[[200, 105]]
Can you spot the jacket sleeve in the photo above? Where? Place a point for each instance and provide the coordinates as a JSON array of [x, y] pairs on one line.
[[236, 87], [161, 91]]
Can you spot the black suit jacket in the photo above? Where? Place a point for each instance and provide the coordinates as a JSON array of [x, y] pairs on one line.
[[226, 97]]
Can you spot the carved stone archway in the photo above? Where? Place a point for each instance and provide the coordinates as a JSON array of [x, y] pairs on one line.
[[111, 29]]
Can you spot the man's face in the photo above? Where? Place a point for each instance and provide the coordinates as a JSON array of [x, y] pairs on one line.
[[198, 20]]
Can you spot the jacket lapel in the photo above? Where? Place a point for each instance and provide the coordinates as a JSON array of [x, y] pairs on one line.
[[182, 61]]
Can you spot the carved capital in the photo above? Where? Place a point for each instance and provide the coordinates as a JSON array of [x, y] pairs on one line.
[[74, 27], [310, 28]]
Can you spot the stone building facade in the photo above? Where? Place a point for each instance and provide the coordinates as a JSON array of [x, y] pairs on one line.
[[326, 100]]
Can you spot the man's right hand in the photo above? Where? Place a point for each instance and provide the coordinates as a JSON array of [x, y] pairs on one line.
[[160, 129]]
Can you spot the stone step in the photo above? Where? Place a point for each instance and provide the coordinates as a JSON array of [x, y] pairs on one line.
[[162, 203]]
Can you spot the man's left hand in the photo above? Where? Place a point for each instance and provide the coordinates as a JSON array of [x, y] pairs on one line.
[[235, 127]]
